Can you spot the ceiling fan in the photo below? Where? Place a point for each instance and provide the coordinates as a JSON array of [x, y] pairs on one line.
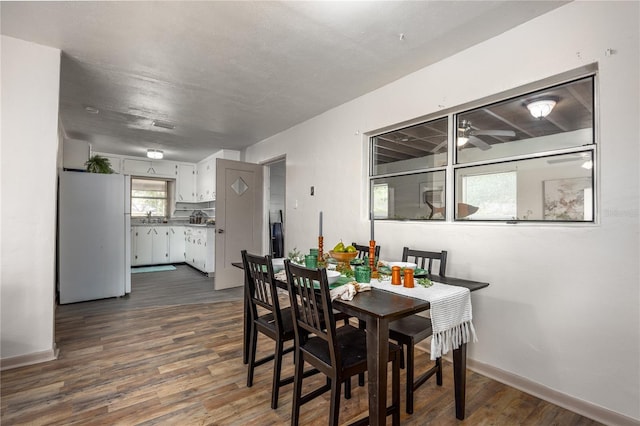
[[587, 163], [467, 134]]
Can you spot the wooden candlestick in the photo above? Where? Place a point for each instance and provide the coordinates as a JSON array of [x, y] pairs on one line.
[[320, 255], [372, 259]]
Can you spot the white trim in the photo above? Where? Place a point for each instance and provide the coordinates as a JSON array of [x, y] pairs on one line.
[[576, 405], [29, 359]]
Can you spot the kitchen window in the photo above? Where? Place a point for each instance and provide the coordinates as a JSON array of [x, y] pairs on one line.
[[529, 157], [149, 197]]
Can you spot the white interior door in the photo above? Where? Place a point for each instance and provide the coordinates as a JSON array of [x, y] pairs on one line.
[[239, 218]]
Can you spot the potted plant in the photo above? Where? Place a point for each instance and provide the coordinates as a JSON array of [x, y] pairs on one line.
[[98, 164]]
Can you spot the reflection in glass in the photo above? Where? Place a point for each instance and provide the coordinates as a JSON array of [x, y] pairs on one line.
[[419, 196], [509, 128], [413, 148], [552, 188]]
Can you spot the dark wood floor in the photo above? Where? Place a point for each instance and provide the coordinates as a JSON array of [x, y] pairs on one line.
[[136, 362]]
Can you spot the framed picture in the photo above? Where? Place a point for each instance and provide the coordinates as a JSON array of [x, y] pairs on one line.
[[430, 194], [568, 199]]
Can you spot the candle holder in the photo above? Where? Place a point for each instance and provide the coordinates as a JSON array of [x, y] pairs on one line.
[[372, 259], [320, 254]]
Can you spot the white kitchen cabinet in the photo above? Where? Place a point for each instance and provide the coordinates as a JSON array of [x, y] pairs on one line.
[[142, 241], [114, 160], [160, 252], [116, 163], [206, 181], [206, 174], [150, 245], [177, 244], [140, 167], [185, 183], [200, 248]]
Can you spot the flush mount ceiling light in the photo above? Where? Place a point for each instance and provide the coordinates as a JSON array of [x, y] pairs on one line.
[[541, 108], [155, 154]]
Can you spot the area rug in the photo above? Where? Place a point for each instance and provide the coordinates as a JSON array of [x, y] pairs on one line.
[[159, 268]]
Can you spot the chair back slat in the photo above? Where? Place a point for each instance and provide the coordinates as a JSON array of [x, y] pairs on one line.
[[260, 286], [311, 306], [363, 251], [425, 259]]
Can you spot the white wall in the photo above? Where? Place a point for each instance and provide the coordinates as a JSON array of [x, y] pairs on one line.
[[562, 311], [29, 155]]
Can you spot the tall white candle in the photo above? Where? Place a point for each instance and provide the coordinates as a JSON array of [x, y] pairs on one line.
[[320, 231], [372, 226]]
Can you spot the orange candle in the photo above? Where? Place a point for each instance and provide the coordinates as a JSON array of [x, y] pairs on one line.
[[395, 275], [408, 278]]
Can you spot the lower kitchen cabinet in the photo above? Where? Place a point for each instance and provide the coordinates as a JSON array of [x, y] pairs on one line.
[[200, 248], [150, 245], [177, 247]]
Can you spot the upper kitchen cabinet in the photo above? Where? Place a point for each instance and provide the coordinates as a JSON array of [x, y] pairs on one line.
[[206, 174], [141, 167], [116, 162], [75, 154], [185, 183], [206, 180]]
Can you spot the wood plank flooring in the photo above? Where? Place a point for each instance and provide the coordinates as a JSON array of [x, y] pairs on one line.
[[148, 360]]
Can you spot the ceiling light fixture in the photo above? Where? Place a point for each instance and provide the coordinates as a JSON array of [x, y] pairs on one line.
[[541, 108], [155, 154], [464, 127]]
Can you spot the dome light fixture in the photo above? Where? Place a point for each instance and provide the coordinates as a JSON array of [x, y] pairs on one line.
[[155, 154], [541, 108]]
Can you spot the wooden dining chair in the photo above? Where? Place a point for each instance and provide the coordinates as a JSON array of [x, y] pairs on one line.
[[339, 353], [408, 331], [276, 323], [363, 251]]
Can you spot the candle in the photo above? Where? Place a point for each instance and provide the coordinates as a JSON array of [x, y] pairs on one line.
[[372, 224], [320, 232]]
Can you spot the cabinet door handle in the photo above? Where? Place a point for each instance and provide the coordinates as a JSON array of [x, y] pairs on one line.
[[149, 231], [220, 231]]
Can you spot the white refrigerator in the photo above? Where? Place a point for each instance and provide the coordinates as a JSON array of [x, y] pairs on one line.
[[94, 236]]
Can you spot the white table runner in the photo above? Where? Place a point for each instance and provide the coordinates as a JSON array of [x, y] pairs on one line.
[[451, 313]]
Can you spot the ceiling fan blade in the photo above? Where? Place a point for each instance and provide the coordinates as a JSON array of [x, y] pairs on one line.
[[564, 160], [439, 146], [505, 133], [479, 143]]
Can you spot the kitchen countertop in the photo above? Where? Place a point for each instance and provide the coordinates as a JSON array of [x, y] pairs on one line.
[[197, 225]]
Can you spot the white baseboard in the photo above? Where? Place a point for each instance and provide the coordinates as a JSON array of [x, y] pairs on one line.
[[576, 405], [29, 359]]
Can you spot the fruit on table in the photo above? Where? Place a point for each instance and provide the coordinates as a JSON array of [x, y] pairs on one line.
[[339, 248], [350, 249]]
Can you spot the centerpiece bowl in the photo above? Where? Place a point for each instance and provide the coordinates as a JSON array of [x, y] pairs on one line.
[[343, 259]]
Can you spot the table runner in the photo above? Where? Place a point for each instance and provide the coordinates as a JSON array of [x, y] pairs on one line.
[[451, 313]]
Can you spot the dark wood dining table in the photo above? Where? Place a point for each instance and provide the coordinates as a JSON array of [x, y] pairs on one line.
[[378, 308]]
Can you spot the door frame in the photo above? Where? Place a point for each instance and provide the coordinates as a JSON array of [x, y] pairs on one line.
[[266, 243]]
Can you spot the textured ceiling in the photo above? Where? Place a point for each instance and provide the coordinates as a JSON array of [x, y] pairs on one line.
[[230, 74]]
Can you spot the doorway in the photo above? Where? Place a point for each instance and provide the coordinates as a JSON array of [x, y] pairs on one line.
[[276, 206]]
